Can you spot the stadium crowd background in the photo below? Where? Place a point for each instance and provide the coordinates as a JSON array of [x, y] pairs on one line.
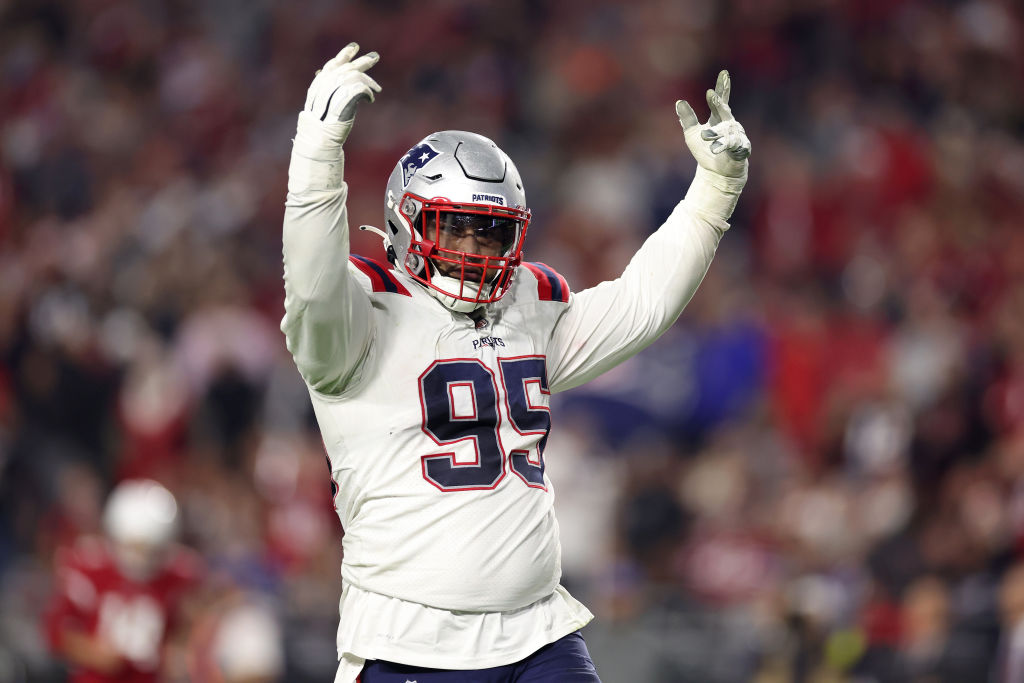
[[817, 475]]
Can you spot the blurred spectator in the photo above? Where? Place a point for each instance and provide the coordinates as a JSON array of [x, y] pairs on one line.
[[1010, 660], [248, 646], [237, 640], [931, 649]]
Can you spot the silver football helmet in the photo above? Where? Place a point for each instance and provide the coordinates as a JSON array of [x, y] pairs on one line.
[[450, 187]]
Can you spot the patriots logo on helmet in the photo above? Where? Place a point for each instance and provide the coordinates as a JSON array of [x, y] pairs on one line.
[[415, 159]]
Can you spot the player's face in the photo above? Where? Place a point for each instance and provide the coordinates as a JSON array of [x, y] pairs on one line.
[[138, 561], [474, 234]]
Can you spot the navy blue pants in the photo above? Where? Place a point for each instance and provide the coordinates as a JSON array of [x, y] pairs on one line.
[[564, 661]]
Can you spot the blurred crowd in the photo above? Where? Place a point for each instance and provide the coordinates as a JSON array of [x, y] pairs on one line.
[[817, 475]]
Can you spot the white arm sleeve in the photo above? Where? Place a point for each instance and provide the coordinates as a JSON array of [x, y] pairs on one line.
[[604, 325], [327, 322]]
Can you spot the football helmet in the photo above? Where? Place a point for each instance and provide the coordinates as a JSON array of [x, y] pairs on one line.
[[141, 520], [451, 191]]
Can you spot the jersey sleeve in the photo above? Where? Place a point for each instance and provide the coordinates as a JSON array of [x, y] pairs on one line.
[[74, 599], [602, 326], [327, 321]]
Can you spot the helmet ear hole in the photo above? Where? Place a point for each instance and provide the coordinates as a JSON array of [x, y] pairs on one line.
[[414, 262]]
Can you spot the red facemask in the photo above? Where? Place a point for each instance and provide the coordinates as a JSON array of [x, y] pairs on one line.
[[472, 249]]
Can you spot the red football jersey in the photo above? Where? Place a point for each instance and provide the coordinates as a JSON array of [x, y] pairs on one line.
[[135, 617]]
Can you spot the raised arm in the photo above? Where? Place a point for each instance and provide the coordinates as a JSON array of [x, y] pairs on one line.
[[606, 324], [327, 322]]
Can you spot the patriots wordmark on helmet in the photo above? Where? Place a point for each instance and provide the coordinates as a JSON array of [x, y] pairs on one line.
[[493, 198], [415, 159]]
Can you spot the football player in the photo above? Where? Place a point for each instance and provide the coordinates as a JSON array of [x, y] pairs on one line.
[[430, 377], [117, 598]]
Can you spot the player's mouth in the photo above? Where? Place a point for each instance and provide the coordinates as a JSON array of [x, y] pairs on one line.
[[470, 271]]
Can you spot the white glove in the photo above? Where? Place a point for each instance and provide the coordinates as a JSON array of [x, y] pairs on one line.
[[342, 84], [326, 120], [720, 177], [722, 133]]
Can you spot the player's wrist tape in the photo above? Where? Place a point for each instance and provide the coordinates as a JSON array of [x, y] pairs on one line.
[[714, 194], [320, 140], [309, 174], [317, 161]]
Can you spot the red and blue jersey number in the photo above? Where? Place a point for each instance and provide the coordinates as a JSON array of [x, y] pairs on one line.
[[477, 420]]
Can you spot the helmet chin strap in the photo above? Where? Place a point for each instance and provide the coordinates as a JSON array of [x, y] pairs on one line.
[[450, 284], [389, 249], [378, 231]]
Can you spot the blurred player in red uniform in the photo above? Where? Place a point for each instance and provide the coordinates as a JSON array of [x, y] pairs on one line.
[[118, 597]]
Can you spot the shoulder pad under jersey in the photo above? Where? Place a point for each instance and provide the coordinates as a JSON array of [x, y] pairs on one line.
[[381, 278], [550, 285]]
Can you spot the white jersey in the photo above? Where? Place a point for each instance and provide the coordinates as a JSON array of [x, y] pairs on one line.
[[435, 427]]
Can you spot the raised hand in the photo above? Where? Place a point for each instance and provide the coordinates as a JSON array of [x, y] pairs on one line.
[[721, 133], [341, 85]]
